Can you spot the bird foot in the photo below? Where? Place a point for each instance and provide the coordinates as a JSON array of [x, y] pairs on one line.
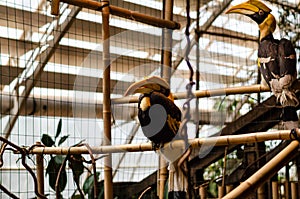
[[156, 146]]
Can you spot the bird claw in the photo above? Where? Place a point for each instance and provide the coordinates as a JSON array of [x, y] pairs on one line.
[[156, 146]]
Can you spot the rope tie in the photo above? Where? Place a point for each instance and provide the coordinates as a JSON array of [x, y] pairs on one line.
[[294, 135]]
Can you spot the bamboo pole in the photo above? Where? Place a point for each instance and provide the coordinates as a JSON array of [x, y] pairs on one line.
[[108, 185], [125, 13], [275, 190], [294, 190], [221, 191], [286, 186], [40, 172], [55, 7], [265, 172], [166, 74], [203, 192], [36, 104], [194, 143], [204, 93]]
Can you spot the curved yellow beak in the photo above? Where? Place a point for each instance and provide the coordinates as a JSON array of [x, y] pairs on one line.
[[248, 8], [147, 85]]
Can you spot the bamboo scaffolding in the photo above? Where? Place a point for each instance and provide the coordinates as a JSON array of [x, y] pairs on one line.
[[128, 14], [108, 185], [264, 173], [198, 142]]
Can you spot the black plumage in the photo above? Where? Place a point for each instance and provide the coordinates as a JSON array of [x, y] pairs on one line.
[[276, 58], [282, 58], [158, 115], [160, 121]]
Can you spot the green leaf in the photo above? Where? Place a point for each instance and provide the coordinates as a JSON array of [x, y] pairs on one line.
[[89, 183], [58, 130], [53, 169], [76, 196], [47, 140], [76, 164], [63, 139]]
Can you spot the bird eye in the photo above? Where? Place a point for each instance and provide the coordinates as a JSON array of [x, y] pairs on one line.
[[261, 12]]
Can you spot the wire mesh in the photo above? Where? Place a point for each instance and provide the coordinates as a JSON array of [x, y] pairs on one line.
[[69, 87]]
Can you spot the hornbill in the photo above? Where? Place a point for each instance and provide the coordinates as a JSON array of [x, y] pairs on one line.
[[276, 59], [160, 120], [158, 115]]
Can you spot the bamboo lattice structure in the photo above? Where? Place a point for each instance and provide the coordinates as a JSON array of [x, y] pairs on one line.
[[128, 14], [198, 142], [264, 173]]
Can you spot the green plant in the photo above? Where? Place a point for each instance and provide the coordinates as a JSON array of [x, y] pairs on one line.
[[56, 169]]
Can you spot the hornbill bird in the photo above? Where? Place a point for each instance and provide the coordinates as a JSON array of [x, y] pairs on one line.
[[158, 115], [276, 59], [160, 120]]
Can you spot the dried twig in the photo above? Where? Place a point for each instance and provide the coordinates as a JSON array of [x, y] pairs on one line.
[[24, 153]]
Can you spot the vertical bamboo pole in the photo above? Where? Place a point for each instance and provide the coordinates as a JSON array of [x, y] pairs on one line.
[[221, 191], [286, 188], [265, 172], [40, 172], [203, 192], [275, 194], [167, 41], [108, 185], [166, 74], [55, 7], [294, 190]]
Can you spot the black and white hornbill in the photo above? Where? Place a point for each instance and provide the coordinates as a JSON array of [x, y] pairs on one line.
[[158, 115], [160, 120], [276, 59]]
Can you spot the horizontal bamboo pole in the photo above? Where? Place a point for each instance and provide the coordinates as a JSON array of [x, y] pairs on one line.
[[264, 173], [204, 93], [125, 13], [213, 141]]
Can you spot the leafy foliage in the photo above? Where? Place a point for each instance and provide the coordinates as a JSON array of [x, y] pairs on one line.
[[56, 168], [56, 162], [53, 169]]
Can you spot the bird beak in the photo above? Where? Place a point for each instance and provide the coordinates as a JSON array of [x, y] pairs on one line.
[[147, 85], [248, 8]]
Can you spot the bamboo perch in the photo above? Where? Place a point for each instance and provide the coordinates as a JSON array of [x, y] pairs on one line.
[[257, 88], [39, 102], [215, 141], [128, 14], [269, 169]]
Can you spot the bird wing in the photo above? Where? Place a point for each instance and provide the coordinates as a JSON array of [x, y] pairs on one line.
[[267, 60], [287, 58]]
